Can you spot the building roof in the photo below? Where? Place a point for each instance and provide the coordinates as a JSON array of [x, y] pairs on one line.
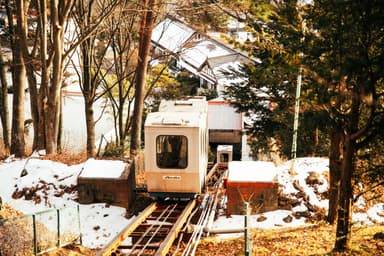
[[204, 50], [198, 53], [171, 34]]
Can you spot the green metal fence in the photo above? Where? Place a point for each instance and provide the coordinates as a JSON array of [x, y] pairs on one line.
[[40, 232]]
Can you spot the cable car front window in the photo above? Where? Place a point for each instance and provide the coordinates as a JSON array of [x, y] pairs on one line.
[[172, 151]]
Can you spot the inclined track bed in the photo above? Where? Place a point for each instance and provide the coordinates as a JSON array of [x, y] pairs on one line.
[[153, 231]]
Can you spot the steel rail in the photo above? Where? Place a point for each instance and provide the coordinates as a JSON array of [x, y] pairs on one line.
[[149, 229], [210, 173], [168, 241], [198, 228], [209, 208], [164, 219], [111, 247], [169, 221]]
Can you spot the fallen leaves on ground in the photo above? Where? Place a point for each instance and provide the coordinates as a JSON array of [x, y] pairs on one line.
[[74, 250], [308, 240], [8, 212]]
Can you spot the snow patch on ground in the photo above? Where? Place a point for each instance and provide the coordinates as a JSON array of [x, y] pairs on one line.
[[100, 223]]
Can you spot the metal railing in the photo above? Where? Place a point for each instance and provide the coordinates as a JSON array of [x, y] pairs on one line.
[[41, 232]]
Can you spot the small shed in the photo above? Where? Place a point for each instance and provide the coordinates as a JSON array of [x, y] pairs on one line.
[[106, 181], [254, 182]]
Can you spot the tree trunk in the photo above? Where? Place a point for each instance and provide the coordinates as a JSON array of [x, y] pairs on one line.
[[43, 90], [144, 48], [60, 129], [52, 121], [344, 212], [349, 138], [19, 75], [32, 84], [89, 115], [121, 117], [59, 15], [88, 92], [38, 95], [90, 122], [334, 175], [4, 112], [33, 96]]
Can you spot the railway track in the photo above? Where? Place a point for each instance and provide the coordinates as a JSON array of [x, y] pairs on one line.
[[155, 230], [152, 232]]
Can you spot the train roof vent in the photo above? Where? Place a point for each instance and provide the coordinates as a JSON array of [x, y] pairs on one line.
[[183, 103], [172, 120]]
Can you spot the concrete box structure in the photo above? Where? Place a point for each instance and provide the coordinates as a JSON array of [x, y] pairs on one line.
[[106, 182], [254, 182]]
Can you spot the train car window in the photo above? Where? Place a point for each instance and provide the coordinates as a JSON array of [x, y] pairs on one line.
[[172, 151]]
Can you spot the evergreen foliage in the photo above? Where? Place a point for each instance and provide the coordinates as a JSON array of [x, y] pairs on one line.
[[339, 46], [268, 95], [344, 57]]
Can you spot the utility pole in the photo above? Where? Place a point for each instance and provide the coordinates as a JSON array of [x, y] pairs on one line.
[[297, 106], [297, 111]]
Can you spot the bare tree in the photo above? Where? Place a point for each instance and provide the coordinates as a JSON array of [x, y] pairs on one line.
[[19, 79], [59, 12], [89, 16], [122, 27], [4, 113], [38, 96], [147, 22]]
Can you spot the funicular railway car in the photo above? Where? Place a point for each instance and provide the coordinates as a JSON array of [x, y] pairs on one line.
[[176, 148]]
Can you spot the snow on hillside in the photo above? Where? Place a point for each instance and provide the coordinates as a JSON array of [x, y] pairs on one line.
[[37, 185], [317, 168]]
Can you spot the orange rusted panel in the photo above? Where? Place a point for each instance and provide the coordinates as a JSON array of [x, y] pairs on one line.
[[253, 182], [261, 197]]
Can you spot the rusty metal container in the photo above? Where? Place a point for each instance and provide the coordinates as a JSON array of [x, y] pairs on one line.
[[254, 182], [103, 181]]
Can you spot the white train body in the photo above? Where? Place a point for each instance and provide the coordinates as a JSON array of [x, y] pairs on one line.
[[176, 148]]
